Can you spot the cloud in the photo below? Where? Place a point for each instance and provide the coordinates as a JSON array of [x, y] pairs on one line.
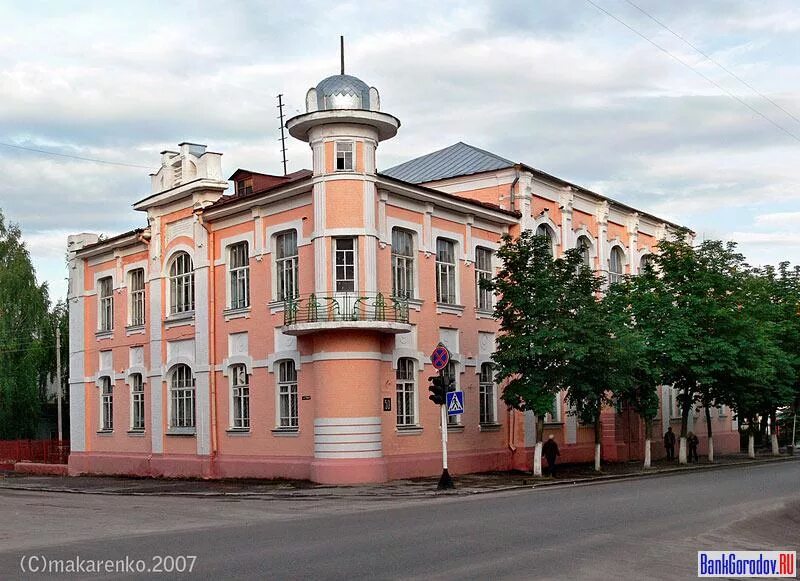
[[559, 86]]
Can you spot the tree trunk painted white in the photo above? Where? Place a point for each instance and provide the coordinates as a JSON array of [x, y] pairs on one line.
[[751, 446], [682, 451], [775, 448], [597, 457], [711, 449], [647, 453], [537, 459]]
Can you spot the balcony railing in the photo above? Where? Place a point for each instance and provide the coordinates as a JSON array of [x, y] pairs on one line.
[[342, 307]]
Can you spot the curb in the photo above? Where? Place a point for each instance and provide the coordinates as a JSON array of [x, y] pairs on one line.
[[300, 495]]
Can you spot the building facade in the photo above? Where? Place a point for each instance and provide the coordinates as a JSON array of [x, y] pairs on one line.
[[283, 330]]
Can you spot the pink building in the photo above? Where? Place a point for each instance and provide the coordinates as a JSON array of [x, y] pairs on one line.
[[284, 330]]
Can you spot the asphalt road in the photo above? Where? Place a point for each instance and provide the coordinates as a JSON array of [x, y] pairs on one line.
[[637, 529]]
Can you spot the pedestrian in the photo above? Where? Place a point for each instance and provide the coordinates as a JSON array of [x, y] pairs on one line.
[[692, 440], [550, 451], [669, 443]]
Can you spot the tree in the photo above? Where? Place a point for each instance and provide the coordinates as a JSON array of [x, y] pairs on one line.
[[537, 295], [687, 304], [636, 362], [23, 344]]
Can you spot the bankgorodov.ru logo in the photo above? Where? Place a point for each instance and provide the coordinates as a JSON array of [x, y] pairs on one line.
[[747, 564]]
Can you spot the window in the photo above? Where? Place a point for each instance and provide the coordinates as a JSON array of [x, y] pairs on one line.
[[584, 246], [544, 230], [554, 415], [182, 397], [483, 271], [137, 403], [450, 377], [181, 284], [240, 275], [406, 392], [287, 395], [445, 271], [286, 264], [486, 381], [645, 261], [345, 264], [244, 187], [106, 303], [136, 294], [402, 263], [106, 405], [344, 156], [615, 263], [240, 392]]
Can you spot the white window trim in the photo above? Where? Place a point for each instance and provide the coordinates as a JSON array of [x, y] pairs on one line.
[[555, 231], [230, 375], [227, 245], [100, 384], [581, 233], [356, 253], [168, 377], [131, 385], [616, 243], [415, 380], [270, 234], [336, 155], [97, 276], [492, 271], [415, 250], [168, 280], [495, 392], [458, 256], [277, 374]]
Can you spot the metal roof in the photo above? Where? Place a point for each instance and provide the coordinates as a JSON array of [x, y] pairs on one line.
[[457, 160], [342, 92]]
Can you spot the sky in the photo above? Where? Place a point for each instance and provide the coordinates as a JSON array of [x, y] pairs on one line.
[[561, 86]]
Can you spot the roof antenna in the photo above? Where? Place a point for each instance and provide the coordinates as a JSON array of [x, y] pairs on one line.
[[341, 51], [283, 135]]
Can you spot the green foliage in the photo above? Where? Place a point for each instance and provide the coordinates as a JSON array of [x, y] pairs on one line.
[[545, 309], [26, 344]]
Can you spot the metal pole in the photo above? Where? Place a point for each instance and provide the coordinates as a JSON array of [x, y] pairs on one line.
[[58, 378], [794, 429], [445, 482], [444, 437]]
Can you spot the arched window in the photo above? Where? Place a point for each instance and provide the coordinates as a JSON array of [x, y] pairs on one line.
[[406, 392], [547, 232], [645, 261], [615, 265], [181, 284], [106, 405], [240, 395], [584, 246], [182, 397], [137, 403], [288, 416], [487, 399]]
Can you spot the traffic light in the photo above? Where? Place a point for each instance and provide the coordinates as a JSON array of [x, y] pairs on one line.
[[437, 389]]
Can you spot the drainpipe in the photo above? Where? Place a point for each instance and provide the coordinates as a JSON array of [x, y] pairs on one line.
[[212, 343], [513, 185]]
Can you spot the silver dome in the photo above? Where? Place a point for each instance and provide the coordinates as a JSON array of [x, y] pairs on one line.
[[342, 92]]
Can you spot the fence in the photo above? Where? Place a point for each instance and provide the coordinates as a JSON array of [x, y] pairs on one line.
[[42, 451]]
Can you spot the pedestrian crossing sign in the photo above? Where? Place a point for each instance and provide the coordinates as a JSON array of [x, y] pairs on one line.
[[455, 403]]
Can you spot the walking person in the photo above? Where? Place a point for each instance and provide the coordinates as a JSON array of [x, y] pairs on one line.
[[669, 443], [550, 451], [692, 441]]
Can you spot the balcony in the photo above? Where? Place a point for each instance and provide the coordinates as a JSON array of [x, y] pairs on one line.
[[348, 311]]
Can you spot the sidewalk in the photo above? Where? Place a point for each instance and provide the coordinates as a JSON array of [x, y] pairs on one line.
[[468, 484]]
